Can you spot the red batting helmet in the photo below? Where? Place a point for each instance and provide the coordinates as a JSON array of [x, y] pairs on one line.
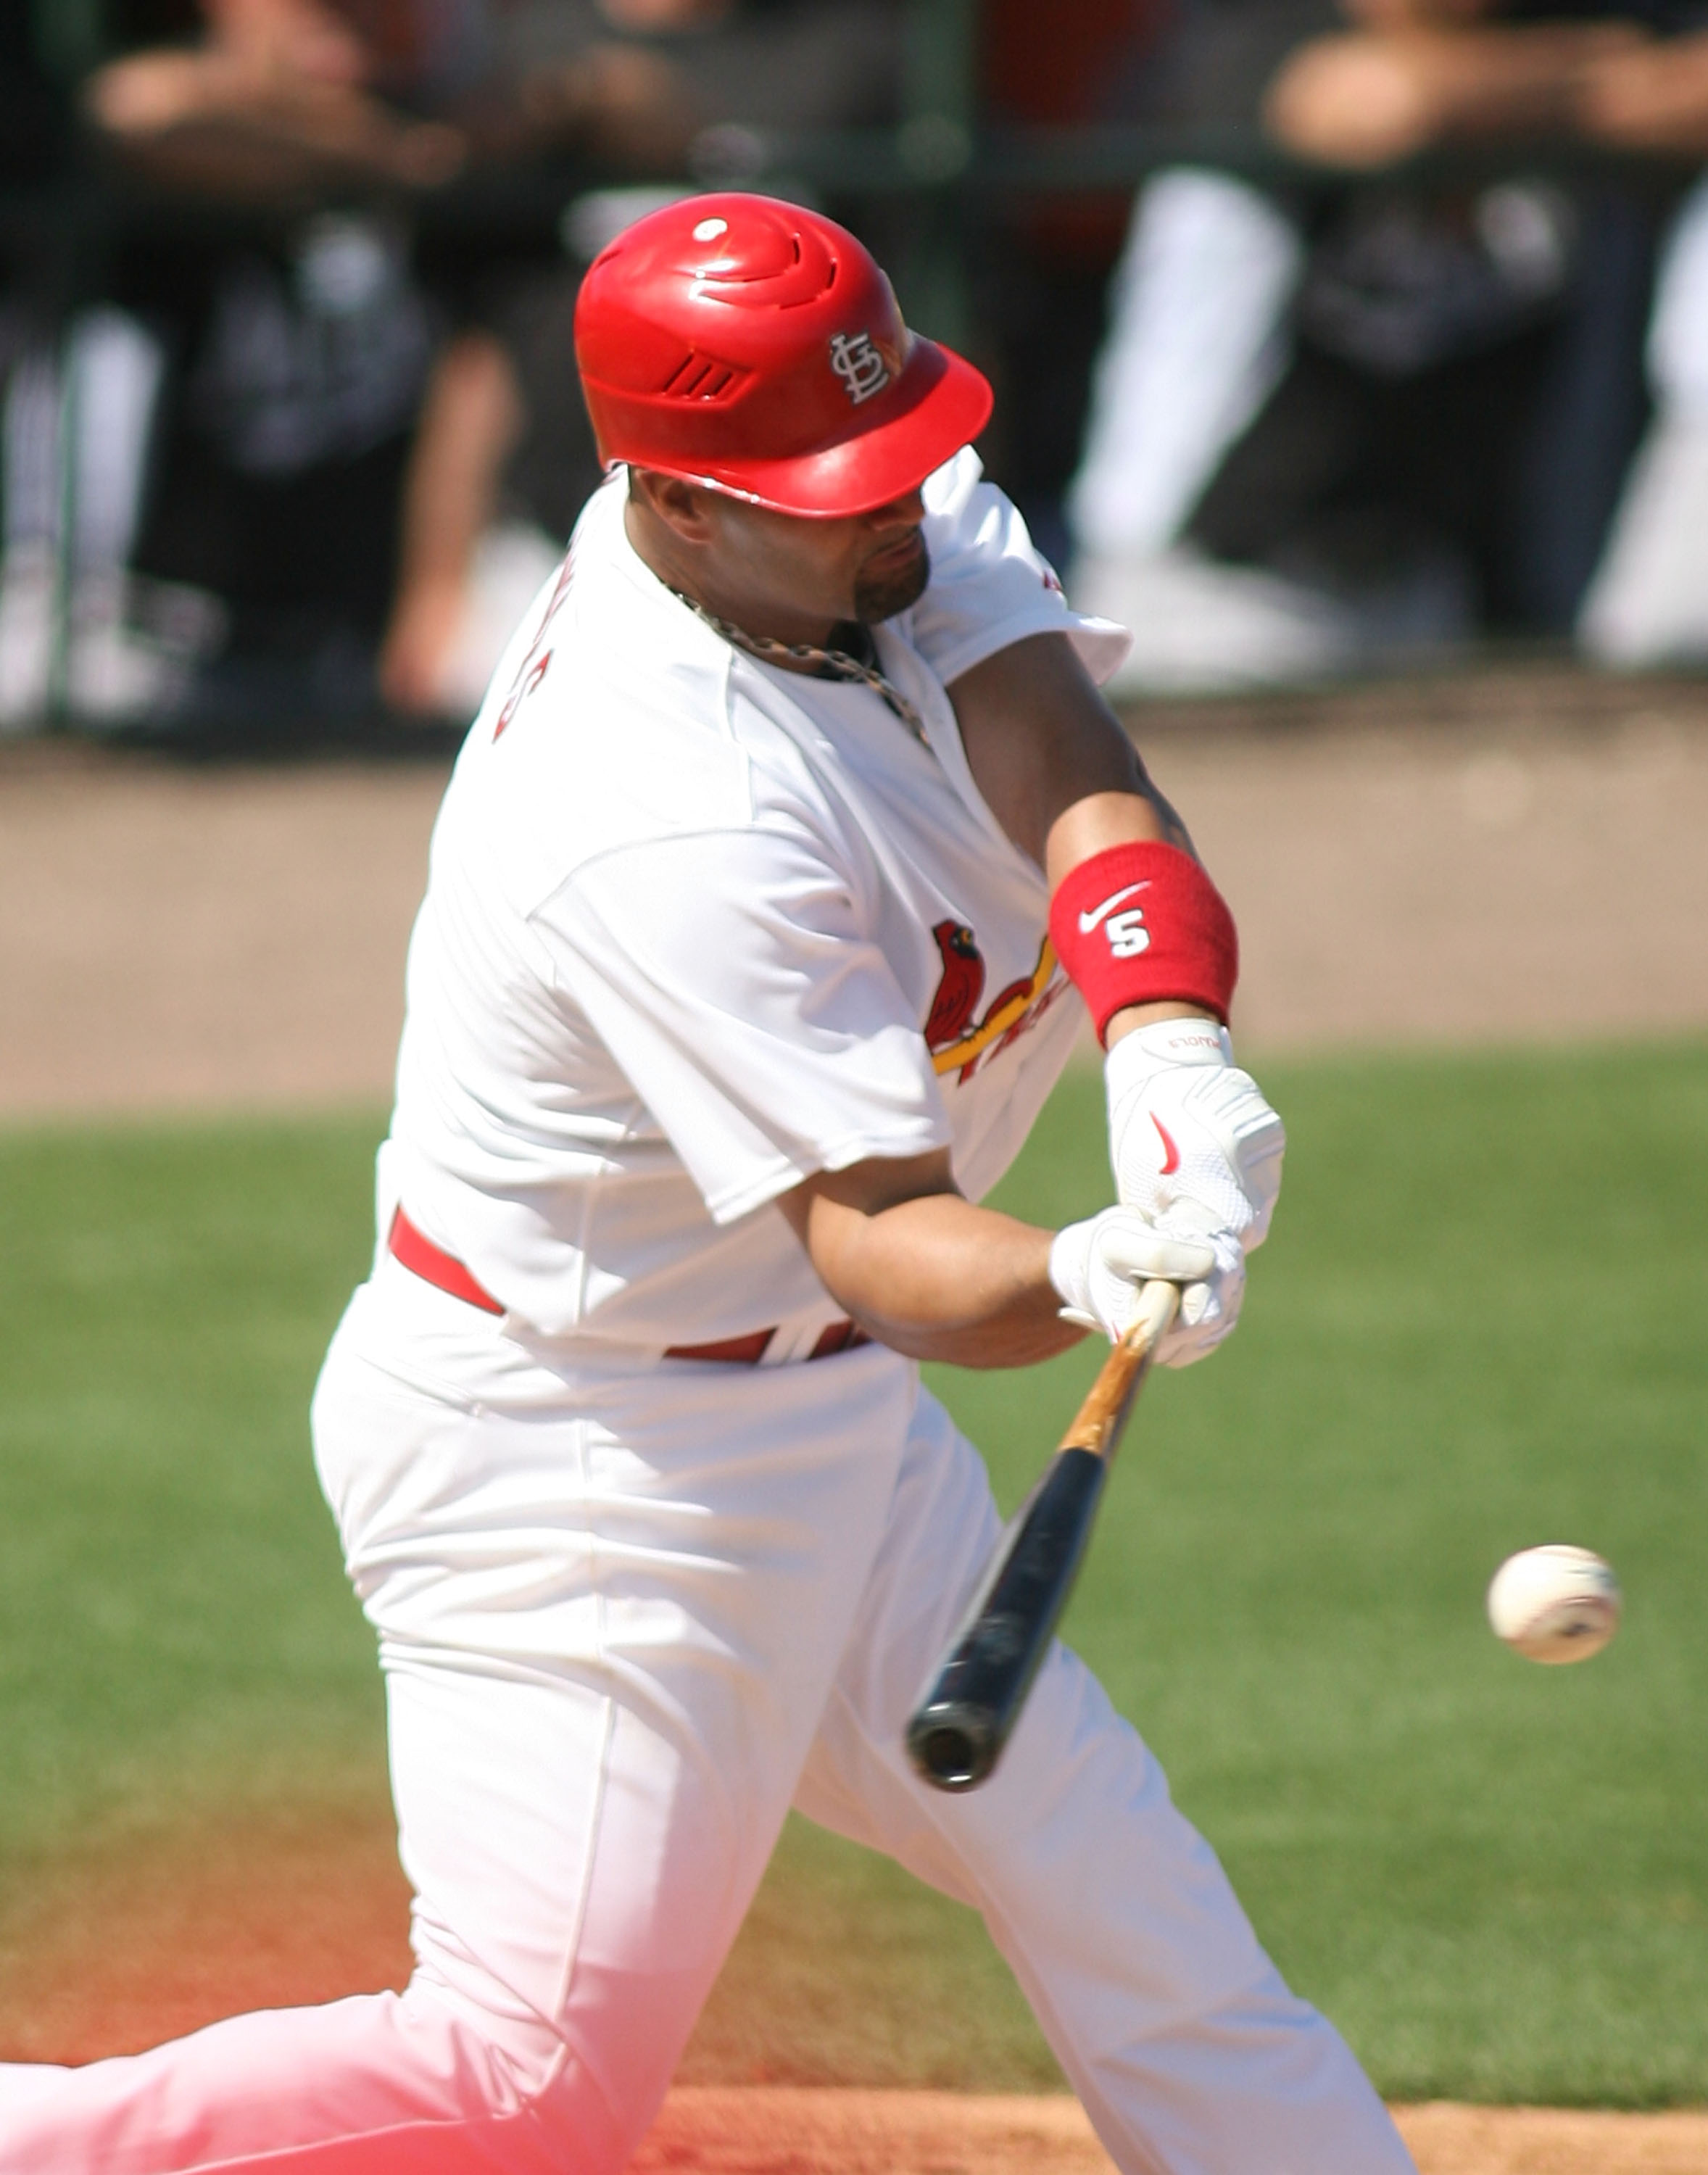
[[757, 347]]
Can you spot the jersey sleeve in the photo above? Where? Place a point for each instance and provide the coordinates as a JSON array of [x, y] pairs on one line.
[[990, 587], [730, 976]]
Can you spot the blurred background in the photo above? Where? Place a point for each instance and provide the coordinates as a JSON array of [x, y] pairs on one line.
[[1330, 336]]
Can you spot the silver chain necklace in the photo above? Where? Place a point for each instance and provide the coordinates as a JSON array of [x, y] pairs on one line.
[[826, 664]]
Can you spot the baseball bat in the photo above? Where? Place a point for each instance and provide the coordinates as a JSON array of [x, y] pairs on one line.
[[955, 1734]]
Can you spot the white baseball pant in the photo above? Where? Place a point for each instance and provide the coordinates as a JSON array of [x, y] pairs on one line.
[[626, 1616]]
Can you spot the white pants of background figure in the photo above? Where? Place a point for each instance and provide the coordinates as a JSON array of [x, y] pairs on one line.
[[1648, 604], [1198, 340]]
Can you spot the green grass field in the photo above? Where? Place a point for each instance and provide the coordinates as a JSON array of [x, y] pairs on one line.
[[1477, 1325]]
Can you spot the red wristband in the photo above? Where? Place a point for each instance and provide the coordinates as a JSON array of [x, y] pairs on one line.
[[1138, 923]]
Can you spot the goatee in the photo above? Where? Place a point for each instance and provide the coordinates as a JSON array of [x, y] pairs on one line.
[[892, 590]]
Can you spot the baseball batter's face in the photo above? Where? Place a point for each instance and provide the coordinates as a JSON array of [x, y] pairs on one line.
[[780, 574]]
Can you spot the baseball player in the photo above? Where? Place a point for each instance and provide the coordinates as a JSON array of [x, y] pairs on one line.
[[759, 900]]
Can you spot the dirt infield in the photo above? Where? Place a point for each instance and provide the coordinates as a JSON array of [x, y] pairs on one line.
[[154, 1941], [1505, 855], [150, 1936], [173, 937], [779, 2132]]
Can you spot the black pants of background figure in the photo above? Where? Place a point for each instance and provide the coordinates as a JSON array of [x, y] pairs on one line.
[[1510, 458], [529, 310], [1041, 303], [293, 557], [297, 348], [1350, 480]]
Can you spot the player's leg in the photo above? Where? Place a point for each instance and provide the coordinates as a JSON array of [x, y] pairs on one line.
[[496, 2057], [1188, 2051], [597, 1712], [1648, 604]]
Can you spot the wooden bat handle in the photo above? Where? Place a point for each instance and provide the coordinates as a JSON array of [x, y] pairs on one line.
[[955, 1734], [1097, 1426]]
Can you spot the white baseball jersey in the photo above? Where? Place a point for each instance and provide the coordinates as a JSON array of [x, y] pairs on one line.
[[697, 927]]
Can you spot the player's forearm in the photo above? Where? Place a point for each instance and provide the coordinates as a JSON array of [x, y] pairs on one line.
[[1369, 99], [1041, 740], [471, 420], [1060, 773], [938, 1278], [207, 120], [1650, 97]]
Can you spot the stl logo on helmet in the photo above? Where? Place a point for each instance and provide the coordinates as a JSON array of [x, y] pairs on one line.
[[861, 365]]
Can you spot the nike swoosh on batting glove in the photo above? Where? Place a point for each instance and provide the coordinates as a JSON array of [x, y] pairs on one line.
[[1195, 1146]]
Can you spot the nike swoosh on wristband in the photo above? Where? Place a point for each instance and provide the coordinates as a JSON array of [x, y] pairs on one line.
[[1171, 1154], [1087, 922]]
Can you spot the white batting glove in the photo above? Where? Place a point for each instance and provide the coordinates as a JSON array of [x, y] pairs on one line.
[[1197, 1151], [1097, 1266], [1194, 1146]]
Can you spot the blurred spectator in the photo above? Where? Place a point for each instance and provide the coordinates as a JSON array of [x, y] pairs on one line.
[[33, 137], [372, 442], [1334, 426], [215, 447], [1417, 73], [32, 117], [505, 457], [1043, 286], [1648, 604], [282, 93], [77, 416]]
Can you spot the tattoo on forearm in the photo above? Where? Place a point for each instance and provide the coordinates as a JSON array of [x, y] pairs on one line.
[[1179, 835]]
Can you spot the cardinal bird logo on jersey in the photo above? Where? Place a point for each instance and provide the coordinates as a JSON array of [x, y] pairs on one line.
[[956, 1036], [959, 988]]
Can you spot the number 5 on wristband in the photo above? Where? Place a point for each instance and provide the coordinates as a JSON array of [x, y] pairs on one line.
[[1140, 923]]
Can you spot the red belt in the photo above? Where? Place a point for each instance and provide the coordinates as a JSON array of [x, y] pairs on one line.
[[417, 1251], [748, 1351], [434, 1266]]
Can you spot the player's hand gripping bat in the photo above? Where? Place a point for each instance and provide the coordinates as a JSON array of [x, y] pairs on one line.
[[955, 1734]]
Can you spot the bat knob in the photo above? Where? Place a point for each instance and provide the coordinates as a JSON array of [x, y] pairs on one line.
[[953, 1743]]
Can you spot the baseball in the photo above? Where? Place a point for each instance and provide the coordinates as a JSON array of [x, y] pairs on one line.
[[1554, 1603]]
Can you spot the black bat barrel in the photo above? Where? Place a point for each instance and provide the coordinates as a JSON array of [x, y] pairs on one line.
[[957, 1733]]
